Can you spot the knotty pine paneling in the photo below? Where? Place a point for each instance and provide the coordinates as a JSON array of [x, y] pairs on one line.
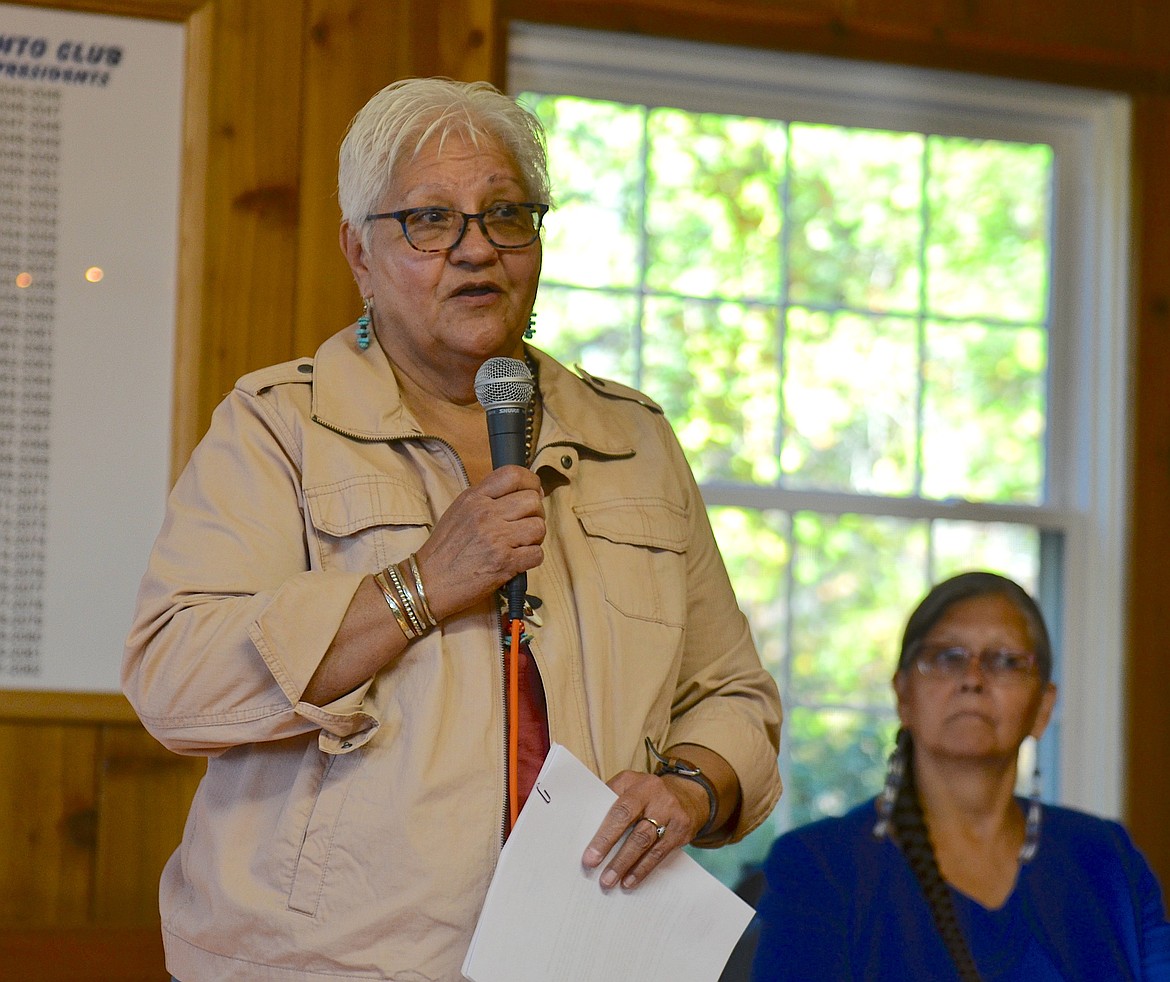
[[340, 33], [91, 807], [245, 235], [352, 50], [143, 794], [48, 786]]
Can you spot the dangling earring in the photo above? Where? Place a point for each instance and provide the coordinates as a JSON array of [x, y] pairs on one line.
[[531, 329], [1032, 822], [895, 770], [363, 323]]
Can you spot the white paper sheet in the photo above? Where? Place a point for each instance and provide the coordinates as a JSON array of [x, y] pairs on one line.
[[546, 917]]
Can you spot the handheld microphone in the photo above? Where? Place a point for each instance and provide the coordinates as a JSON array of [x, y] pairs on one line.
[[504, 388]]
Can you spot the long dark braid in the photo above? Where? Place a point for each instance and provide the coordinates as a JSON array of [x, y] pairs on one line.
[[913, 838]]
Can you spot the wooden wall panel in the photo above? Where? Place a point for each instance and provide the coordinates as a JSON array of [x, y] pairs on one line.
[[470, 47], [187, 404], [143, 795], [1151, 31], [1095, 26], [1148, 730], [91, 807], [342, 70], [47, 809], [247, 231]]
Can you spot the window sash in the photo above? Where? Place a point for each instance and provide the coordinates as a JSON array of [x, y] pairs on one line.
[[1085, 503]]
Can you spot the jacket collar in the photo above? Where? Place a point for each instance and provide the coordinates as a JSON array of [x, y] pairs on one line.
[[355, 393], [574, 415]]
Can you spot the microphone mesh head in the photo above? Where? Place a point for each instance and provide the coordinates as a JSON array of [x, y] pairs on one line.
[[503, 383]]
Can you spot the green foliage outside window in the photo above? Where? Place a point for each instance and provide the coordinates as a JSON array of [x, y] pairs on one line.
[[822, 311]]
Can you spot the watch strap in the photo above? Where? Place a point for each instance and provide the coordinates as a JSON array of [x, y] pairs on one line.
[[679, 767]]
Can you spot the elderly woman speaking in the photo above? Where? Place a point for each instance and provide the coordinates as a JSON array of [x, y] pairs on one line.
[[323, 615]]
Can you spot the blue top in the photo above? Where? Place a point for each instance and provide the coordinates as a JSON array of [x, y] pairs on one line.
[[843, 905]]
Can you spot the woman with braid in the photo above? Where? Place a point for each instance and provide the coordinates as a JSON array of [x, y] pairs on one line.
[[946, 874]]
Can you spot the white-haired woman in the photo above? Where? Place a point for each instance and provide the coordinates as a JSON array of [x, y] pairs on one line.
[[321, 616]]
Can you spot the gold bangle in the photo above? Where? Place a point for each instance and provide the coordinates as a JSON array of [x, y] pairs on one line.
[[412, 562], [405, 600], [388, 595]]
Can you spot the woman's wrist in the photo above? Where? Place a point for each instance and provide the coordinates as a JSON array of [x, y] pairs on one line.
[[685, 769], [699, 799], [403, 590]]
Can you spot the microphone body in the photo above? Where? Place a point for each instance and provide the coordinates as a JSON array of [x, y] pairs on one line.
[[504, 388]]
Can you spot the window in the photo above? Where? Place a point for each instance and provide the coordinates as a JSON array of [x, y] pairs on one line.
[[883, 310]]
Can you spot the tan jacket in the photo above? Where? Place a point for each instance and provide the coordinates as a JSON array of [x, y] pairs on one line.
[[357, 839]]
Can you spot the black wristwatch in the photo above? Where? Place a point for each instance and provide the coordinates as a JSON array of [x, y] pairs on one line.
[[685, 769]]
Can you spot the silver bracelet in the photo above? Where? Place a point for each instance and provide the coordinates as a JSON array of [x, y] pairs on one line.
[[388, 596], [412, 562], [405, 601]]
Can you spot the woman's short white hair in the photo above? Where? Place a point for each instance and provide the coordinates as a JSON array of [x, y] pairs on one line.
[[395, 124]]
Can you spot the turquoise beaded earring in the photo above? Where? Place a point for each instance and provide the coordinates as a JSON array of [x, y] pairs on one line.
[[363, 324], [531, 329]]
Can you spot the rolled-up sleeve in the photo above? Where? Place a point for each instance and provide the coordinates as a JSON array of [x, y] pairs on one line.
[[231, 622]]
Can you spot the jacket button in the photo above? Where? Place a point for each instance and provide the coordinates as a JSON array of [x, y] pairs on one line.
[[305, 369], [346, 745], [566, 461]]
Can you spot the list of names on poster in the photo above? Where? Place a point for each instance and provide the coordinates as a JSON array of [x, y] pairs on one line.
[[30, 150]]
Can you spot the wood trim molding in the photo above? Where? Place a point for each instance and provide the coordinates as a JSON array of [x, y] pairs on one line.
[[1148, 681], [940, 37], [176, 10], [97, 953], [18, 705], [186, 424]]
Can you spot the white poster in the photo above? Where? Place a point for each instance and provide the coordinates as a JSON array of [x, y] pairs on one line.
[[90, 146]]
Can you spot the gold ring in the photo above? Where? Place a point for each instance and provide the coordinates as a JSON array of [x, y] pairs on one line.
[[660, 830]]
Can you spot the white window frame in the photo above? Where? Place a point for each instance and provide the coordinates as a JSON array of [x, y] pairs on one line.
[[1089, 419]]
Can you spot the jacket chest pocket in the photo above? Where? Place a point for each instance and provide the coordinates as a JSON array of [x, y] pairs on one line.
[[639, 548], [365, 522]]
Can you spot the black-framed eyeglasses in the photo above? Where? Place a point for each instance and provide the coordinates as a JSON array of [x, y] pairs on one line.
[[508, 225], [953, 661]]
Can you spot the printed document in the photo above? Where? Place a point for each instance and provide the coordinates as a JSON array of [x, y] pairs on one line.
[[547, 917]]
